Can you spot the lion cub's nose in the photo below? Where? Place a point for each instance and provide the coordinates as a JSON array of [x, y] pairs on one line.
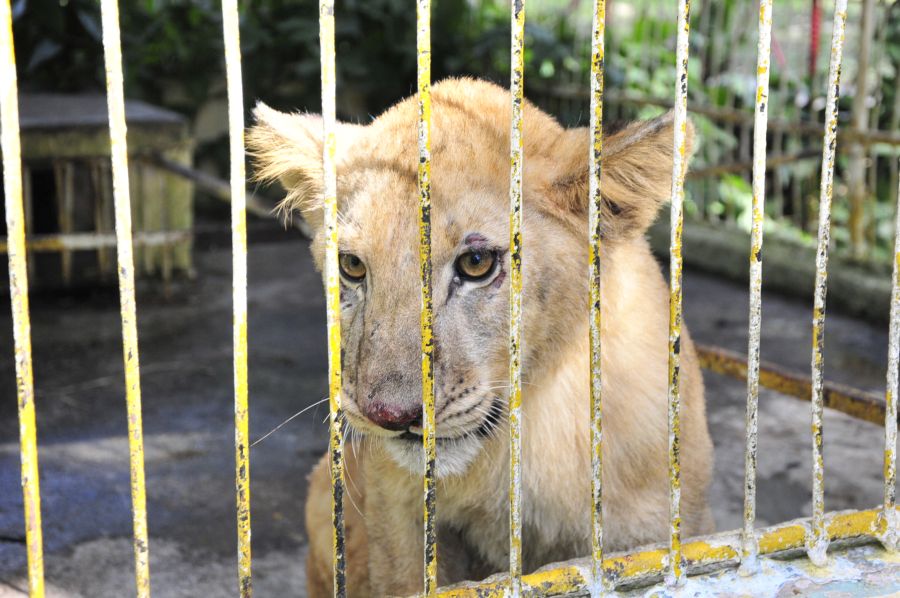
[[393, 417]]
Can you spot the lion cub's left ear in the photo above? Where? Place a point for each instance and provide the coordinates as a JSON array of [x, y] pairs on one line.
[[288, 148], [636, 176]]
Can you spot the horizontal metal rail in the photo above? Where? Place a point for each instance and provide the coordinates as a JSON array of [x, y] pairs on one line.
[[852, 401], [701, 555], [54, 243]]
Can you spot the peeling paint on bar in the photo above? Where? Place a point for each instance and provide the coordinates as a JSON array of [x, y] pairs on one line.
[[817, 541], [18, 292], [231, 32], [517, 84], [112, 52], [679, 164], [423, 51], [749, 547], [649, 565], [889, 524], [332, 291], [596, 200]]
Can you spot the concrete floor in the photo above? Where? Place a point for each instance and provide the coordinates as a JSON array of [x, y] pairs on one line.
[[186, 378]]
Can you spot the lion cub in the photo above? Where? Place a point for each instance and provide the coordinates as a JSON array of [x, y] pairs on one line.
[[377, 194]]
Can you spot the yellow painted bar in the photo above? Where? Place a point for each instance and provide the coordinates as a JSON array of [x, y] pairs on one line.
[[650, 564], [18, 291], [817, 542], [594, 253], [112, 53], [332, 290], [423, 70], [749, 547], [679, 165], [517, 93], [231, 32], [889, 526]]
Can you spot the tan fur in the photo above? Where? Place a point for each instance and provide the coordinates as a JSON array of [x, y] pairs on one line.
[[380, 320]]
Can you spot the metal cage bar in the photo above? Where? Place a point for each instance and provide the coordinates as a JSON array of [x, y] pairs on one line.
[[889, 525], [817, 542], [517, 91], [594, 273], [423, 51], [749, 546], [18, 291], [112, 52], [679, 165], [231, 33], [332, 290]]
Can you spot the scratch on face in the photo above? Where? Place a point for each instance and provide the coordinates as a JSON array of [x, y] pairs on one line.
[[476, 240]]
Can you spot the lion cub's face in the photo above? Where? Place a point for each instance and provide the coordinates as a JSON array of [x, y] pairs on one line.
[[380, 309], [379, 258]]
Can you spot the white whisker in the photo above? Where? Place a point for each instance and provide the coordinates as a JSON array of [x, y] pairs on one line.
[[282, 424]]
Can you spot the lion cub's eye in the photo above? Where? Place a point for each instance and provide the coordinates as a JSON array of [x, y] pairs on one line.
[[476, 265], [352, 268]]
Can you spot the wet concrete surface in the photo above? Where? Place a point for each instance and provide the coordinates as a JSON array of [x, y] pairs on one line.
[[185, 343]]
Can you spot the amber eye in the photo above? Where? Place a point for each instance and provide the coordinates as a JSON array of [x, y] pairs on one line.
[[352, 268], [476, 265]]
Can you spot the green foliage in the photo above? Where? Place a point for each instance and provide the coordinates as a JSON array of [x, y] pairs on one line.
[[173, 55], [173, 50]]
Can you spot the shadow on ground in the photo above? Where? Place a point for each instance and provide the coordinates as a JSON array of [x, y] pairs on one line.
[[185, 344]]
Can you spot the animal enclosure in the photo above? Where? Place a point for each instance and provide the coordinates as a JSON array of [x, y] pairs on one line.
[[599, 572]]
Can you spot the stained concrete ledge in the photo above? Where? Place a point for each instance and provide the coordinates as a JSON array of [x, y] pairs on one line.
[[853, 288]]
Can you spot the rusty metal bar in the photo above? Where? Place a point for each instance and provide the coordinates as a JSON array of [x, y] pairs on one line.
[[701, 555], [749, 547], [423, 50], [595, 206], [852, 401], [231, 33], [332, 291], [112, 52], [817, 542], [517, 89], [890, 524], [18, 293], [679, 163]]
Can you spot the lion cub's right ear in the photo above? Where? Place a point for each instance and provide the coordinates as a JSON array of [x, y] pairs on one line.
[[288, 148]]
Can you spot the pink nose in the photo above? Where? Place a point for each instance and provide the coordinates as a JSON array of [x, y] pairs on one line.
[[393, 417]]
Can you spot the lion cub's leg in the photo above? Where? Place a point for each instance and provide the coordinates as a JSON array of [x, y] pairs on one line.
[[318, 528]]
